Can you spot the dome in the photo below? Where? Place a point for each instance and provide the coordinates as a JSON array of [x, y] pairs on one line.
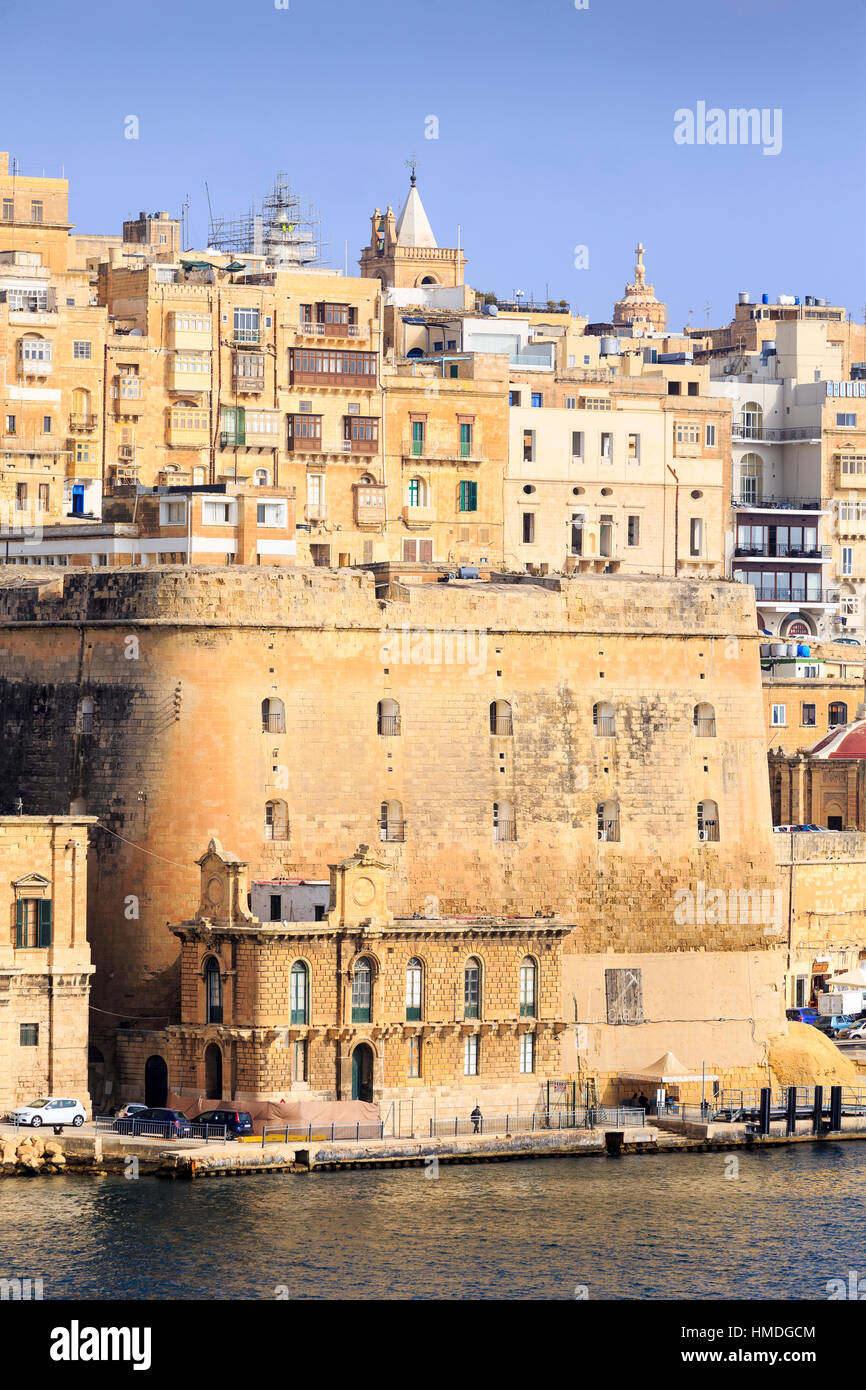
[[846, 741]]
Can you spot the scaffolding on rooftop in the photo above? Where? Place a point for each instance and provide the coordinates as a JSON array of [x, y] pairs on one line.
[[285, 230]]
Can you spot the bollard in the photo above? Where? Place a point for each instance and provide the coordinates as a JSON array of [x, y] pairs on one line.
[[764, 1111], [817, 1109], [791, 1111], [835, 1107]]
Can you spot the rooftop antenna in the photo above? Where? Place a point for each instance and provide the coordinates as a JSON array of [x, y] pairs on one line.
[[209, 209]]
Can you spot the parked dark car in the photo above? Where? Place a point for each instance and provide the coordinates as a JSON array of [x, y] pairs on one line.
[[179, 1126], [802, 1015], [237, 1122], [834, 1025]]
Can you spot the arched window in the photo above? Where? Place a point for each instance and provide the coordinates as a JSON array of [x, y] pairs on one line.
[[528, 981], [414, 982], [753, 420], [603, 720], [85, 715], [751, 478], [81, 414], [504, 823], [501, 722], [472, 988], [705, 721], [276, 820], [273, 716], [388, 718], [261, 477], [708, 820], [837, 712], [362, 991], [418, 493], [213, 991], [299, 993], [607, 813], [391, 823]]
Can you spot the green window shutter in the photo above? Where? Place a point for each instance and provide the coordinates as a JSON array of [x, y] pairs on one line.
[[19, 922], [45, 922], [242, 424], [468, 497]]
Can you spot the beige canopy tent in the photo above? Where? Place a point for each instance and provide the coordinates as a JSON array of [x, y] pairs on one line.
[[849, 979], [667, 1070]]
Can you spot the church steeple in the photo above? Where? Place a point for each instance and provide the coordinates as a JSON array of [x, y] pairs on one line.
[[406, 255], [413, 226]]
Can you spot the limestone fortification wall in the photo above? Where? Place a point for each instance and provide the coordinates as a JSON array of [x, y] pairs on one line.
[[177, 665]]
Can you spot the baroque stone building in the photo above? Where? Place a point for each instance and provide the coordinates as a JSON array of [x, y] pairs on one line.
[[359, 1006]]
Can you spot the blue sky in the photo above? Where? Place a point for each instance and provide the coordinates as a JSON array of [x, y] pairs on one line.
[[555, 130]]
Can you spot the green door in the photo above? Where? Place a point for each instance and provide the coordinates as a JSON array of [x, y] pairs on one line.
[[362, 1072]]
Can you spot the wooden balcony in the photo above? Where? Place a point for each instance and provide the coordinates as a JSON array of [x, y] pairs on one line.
[[83, 423]]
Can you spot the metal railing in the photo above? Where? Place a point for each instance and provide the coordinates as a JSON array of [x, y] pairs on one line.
[[393, 830], [273, 723], [502, 724], [247, 335], [605, 726], [762, 434], [505, 830], [322, 1133], [796, 504], [705, 728], [389, 725], [154, 1129], [592, 1117], [780, 552]]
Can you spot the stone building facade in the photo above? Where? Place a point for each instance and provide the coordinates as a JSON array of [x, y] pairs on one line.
[[583, 747], [45, 965], [359, 1006]]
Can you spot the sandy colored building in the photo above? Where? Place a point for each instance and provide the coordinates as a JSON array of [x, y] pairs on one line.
[[272, 380], [822, 907], [358, 1006], [52, 339], [45, 966], [825, 784], [502, 744], [229, 523], [799, 451], [618, 479], [446, 450], [806, 695]]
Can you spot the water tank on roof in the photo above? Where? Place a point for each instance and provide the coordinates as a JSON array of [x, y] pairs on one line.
[[787, 299], [467, 572], [608, 347], [777, 648], [765, 299], [492, 310], [791, 648], [744, 297], [803, 650]]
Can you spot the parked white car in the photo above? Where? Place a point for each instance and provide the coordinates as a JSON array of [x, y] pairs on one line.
[[50, 1110]]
